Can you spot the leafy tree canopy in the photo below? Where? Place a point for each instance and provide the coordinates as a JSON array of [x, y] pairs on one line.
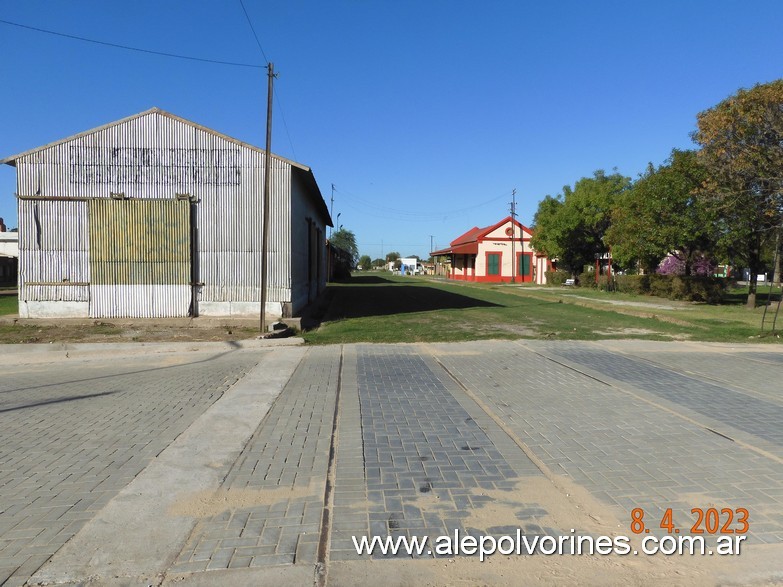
[[571, 226], [661, 216], [346, 240], [741, 143], [393, 256], [365, 262]]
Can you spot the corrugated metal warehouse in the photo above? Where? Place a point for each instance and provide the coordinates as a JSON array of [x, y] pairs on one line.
[[156, 216]]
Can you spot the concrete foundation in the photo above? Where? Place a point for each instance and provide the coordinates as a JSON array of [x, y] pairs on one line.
[[273, 309], [34, 309]]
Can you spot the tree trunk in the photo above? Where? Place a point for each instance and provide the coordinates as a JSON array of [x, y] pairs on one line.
[[688, 258], [751, 303], [754, 262]]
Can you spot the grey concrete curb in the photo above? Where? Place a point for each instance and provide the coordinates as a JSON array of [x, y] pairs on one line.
[[18, 353]]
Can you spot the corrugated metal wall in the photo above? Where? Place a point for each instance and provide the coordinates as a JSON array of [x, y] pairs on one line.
[[154, 156], [308, 247], [139, 258], [53, 251], [229, 245]]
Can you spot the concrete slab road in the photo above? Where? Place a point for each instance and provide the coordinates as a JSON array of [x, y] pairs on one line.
[[270, 466]]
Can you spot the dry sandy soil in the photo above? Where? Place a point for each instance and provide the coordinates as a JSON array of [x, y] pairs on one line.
[[13, 330]]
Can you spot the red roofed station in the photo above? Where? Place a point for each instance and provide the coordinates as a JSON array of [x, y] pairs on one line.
[[485, 254]]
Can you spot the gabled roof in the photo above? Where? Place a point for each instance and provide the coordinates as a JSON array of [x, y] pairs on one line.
[[485, 231], [13, 158], [466, 249], [303, 170], [467, 244], [468, 237]]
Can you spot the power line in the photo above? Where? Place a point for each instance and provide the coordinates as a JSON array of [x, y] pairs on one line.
[[252, 28], [285, 125], [383, 244], [412, 215], [277, 97], [129, 48]]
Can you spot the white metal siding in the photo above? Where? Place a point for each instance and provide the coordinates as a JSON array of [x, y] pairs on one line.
[[304, 287], [156, 156], [53, 251]]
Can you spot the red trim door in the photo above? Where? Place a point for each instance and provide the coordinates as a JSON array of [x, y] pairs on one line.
[[525, 266], [494, 266]]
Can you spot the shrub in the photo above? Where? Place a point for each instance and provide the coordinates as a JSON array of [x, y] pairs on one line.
[[587, 279], [633, 284], [556, 277], [705, 289], [660, 285], [606, 284], [696, 288], [679, 287]]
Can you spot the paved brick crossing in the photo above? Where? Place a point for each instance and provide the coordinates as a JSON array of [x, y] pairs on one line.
[[626, 452], [741, 410], [74, 434], [426, 458], [429, 439], [284, 466]]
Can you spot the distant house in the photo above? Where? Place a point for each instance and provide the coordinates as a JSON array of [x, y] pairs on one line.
[[493, 253], [9, 256], [156, 216], [410, 266]]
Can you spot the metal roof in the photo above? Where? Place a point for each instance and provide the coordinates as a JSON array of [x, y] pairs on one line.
[[303, 170], [466, 249], [467, 244]]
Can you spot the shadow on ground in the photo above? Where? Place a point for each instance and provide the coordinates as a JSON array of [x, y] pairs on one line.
[[375, 296]]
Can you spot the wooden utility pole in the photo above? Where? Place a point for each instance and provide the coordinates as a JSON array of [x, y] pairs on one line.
[[265, 206], [513, 234], [331, 211]]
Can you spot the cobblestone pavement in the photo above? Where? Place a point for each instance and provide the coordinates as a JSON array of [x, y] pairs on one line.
[[74, 434], [275, 490], [430, 455], [621, 442], [401, 440]]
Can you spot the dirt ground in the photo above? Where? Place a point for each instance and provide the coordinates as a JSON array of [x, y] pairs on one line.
[[14, 330]]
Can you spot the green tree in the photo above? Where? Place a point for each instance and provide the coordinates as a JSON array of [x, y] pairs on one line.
[[741, 143], [571, 226], [346, 240], [365, 262], [377, 263], [661, 215], [393, 256]]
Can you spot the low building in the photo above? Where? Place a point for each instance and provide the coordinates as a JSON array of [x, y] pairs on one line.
[[485, 254], [156, 216], [410, 266], [9, 256]]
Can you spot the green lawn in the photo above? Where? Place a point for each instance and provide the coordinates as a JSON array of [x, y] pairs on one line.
[[383, 308], [8, 304], [409, 309]]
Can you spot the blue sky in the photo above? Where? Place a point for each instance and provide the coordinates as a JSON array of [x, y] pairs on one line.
[[424, 114]]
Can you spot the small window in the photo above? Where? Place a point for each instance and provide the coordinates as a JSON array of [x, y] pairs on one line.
[[493, 264]]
